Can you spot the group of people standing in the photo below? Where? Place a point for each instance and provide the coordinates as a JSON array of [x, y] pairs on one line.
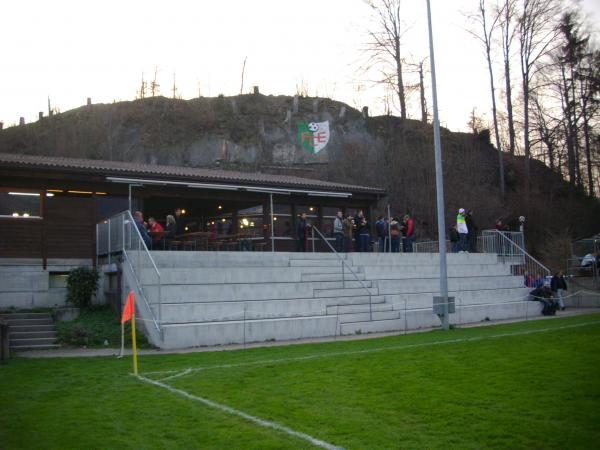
[[154, 235], [463, 235], [353, 233]]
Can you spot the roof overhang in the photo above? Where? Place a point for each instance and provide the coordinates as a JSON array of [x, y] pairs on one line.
[[227, 187]]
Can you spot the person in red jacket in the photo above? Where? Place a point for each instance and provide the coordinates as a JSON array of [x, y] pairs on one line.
[[156, 232], [409, 233]]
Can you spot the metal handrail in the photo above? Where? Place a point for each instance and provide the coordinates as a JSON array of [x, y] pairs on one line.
[[522, 252], [344, 263], [125, 217]]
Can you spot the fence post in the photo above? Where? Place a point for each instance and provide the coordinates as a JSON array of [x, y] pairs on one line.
[[108, 240]]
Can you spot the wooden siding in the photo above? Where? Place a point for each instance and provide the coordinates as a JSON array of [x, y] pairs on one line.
[[20, 238], [70, 227]]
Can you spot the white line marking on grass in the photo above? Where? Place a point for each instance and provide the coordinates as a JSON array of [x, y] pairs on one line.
[[243, 415], [189, 370]]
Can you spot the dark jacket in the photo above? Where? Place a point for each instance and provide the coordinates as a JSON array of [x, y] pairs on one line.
[[144, 233], [171, 230], [302, 229], [558, 283], [363, 228], [471, 225], [454, 235], [381, 228]]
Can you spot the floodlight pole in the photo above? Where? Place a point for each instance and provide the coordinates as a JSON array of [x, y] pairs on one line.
[[439, 180]]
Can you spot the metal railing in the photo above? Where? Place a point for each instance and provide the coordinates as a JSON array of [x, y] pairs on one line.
[[510, 252], [344, 264], [580, 268], [429, 247], [118, 236]]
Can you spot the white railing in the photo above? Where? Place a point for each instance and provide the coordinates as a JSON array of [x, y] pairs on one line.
[[513, 252], [118, 238], [429, 247]]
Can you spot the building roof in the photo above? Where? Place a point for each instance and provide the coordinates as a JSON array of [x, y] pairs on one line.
[[188, 174]]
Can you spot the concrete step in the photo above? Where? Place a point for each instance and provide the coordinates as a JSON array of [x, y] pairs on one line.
[[411, 259], [249, 291], [31, 328], [31, 334], [41, 315], [422, 271], [236, 332], [416, 285], [34, 347], [425, 299], [346, 292], [165, 259], [333, 276], [30, 322], [359, 308], [258, 309], [31, 342], [314, 263]]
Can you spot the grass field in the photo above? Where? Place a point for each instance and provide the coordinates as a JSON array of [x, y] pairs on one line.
[[524, 385]]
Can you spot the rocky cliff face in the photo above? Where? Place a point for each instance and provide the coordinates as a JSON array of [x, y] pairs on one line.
[[263, 133]]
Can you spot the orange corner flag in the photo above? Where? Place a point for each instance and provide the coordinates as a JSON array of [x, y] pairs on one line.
[[129, 308]]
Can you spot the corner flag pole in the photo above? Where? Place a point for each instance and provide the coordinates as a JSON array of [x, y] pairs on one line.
[[439, 180], [133, 343]]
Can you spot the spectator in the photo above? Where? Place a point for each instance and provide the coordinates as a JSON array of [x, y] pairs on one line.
[[463, 231], [472, 234], [138, 218], [528, 280], [395, 231], [408, 231], [558, 285], [538, 281], [338, 232], [499, 225], [348, 232], [171, 229], [179, 229], [543, 294], [363, 232], [302, 233], [454, 239], [381, 227], [156, 232]]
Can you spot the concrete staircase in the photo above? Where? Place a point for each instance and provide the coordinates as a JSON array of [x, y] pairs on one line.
[[214, 298], [31, 331]]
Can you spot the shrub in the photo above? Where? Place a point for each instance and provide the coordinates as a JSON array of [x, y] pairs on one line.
[[81, 285]]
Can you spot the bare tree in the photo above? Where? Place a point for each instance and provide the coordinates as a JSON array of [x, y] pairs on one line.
[[143, 86], [243, 70], [384, 48], [507, 18], [537, 33], [488, 25], [154, 84]]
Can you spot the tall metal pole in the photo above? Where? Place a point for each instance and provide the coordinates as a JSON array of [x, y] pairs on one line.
[[271, 211], [439, 180]]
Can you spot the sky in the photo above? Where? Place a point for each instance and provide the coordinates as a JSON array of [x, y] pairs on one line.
[[72, 50]]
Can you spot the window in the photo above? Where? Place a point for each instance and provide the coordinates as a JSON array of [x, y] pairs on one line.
[[282, 220], [21, 204], [250, 220]]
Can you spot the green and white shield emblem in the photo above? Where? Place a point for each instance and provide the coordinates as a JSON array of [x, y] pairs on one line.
[[313, 136]]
